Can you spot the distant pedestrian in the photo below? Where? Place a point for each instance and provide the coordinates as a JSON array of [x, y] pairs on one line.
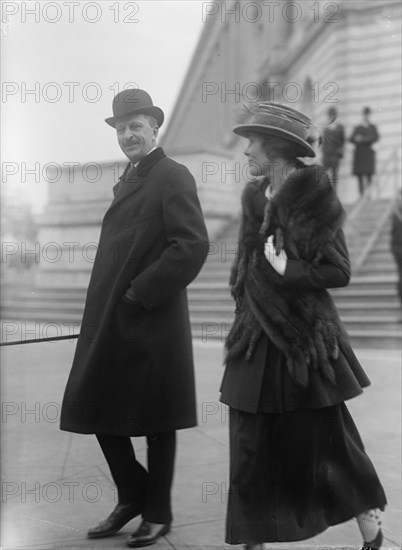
[[363, 136], [396, 240], [297, 462], [333, 143]]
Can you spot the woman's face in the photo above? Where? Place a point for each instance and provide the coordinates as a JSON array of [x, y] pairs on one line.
[[258, 162]]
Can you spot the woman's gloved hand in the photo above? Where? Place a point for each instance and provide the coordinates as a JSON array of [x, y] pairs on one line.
[[278, 262]]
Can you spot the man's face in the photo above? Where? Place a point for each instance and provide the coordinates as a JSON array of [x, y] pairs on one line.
[[136, 136]]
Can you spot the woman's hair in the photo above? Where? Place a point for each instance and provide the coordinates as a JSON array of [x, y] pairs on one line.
[[286, 149], [282, 148]]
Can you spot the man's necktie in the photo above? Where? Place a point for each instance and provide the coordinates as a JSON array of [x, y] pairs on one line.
[[130, 173]]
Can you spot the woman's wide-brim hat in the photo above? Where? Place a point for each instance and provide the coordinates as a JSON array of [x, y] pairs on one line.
[[134, 102], [276, 119]]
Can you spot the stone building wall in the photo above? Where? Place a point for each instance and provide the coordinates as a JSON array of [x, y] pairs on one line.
[[344, 53]]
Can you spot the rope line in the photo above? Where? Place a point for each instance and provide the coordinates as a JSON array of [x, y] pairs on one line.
[[37, 340]]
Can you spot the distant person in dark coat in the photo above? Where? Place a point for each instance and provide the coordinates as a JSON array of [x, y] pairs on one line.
[[132, 373], [297, 462], [333, 142], [396, 239], [363, 136]]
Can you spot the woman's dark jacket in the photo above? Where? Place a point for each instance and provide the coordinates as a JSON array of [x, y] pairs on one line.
[[262, 382]]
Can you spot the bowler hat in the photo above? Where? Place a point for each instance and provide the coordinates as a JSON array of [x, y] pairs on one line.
[[277, 119], [134, 101]]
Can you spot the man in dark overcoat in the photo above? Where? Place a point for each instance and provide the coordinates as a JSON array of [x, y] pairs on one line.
[[132, 373], [333, 142]]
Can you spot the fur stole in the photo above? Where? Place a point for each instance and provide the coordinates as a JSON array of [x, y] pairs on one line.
[[303, 216]]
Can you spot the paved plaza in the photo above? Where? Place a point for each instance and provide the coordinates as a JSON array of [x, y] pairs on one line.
[[55, 484]]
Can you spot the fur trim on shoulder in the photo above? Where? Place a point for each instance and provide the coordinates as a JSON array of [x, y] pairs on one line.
[[305, 212]]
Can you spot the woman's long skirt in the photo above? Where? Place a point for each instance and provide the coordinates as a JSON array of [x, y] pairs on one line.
[[294, 474]]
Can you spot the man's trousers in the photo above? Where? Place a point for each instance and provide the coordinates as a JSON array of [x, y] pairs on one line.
[[134, 483]]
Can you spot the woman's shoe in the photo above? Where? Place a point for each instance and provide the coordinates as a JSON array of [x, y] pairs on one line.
[[375, 544]]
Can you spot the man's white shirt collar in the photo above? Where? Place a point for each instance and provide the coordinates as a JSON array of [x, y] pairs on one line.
[[137, 163]]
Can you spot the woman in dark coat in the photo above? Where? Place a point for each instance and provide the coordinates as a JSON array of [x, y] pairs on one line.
[[363, 136], [297, 462]]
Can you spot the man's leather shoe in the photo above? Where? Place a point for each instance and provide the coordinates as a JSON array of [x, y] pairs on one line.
[[122, 514], [147, 534]]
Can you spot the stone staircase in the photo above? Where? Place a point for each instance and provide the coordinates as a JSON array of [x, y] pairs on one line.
[[369, 306]]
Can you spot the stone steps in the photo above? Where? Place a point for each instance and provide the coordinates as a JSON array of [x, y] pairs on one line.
[[368, 306], [200, 304]]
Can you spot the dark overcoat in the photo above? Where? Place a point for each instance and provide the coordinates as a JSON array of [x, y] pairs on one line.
[[132, 372], [332, 145], [364, 155]]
